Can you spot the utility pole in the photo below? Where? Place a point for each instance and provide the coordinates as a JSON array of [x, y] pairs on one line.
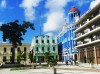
[[40, 22]]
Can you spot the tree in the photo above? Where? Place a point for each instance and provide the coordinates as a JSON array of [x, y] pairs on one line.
[[47, 57], [31, 57], [91, 59], [20, 56], [13, 32], [50, 60]]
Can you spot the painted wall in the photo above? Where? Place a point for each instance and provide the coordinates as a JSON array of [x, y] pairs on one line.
[[66, 37], [8, 52], [44, 44]]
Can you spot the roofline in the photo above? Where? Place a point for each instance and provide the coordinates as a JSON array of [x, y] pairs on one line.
[[87, 13], [11, 44]]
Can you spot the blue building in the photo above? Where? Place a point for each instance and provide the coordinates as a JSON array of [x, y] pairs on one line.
[[66, 42]]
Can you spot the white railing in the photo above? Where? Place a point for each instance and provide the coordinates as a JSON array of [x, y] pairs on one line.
[[87, 30], [79, 42], [79, 34]]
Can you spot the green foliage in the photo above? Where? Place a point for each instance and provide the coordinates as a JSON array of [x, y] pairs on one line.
[[50, 60], [75, 61], [30, 57], [13, 32], [47, 56], [54, 62], [91, 59], [20, 56], [34, 60]]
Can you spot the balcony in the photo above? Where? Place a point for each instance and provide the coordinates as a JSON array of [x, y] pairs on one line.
[[87, 23], [87, 30], [79, 34], [95, 37], [78, 26], [88, 33], [89, 43], [87, 40], [79, 43]]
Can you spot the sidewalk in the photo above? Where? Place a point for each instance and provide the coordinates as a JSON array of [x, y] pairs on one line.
[[80, 67]]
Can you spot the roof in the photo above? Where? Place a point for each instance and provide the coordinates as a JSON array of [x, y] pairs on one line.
[[73, 9]]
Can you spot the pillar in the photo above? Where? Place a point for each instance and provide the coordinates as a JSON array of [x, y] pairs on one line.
[[36, 58], [95, 55], [79, 56], [55, 56], [86, 54]]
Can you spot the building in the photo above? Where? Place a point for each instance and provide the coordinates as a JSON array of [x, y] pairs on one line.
[[6, 52], [88, 36], [42, 44], [66, 37]]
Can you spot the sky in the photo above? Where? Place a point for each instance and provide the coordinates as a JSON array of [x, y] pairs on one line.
[[47, 14]]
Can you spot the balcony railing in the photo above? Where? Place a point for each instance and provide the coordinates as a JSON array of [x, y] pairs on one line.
[[87, 30], [79, 34], [87, 40], [79, 43], [88, 18]]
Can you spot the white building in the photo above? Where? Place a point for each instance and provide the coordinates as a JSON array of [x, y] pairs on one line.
[[88, 36]]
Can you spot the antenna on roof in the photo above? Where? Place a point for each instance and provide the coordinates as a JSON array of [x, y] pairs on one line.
[[40, 17], [40, 22]]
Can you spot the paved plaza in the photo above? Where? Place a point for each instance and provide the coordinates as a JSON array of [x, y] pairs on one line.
[[61, 69], [46, 71]]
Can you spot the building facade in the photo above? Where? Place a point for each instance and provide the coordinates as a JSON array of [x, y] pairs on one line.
[[88, 36], [66, 37], [6, 52], [42, 44]]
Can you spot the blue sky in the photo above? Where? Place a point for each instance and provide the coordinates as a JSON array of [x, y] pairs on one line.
[[52, 13]]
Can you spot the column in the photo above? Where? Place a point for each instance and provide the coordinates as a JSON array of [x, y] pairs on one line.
[[37, 58], [79, 56], [95, 55], [86, 54]]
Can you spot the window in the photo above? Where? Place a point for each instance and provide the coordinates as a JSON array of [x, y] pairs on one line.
[[48, 49], [37, 49], [43, 49], [24, 49], [53, 41], [74, 14], [24, 57], [71, 15], [36, 41], [18, 49], [47, 41], [11, 49], [42, 41], [4, 50], [4, 58], [54, 49]]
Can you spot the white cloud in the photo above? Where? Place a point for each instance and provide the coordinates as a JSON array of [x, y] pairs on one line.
[[50, 34], [29, 10], [94, 3], [3, 4], [55, 17], [82, 2], [1, 23]]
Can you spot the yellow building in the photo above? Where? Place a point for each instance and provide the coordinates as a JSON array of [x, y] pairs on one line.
[[6, 52]]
